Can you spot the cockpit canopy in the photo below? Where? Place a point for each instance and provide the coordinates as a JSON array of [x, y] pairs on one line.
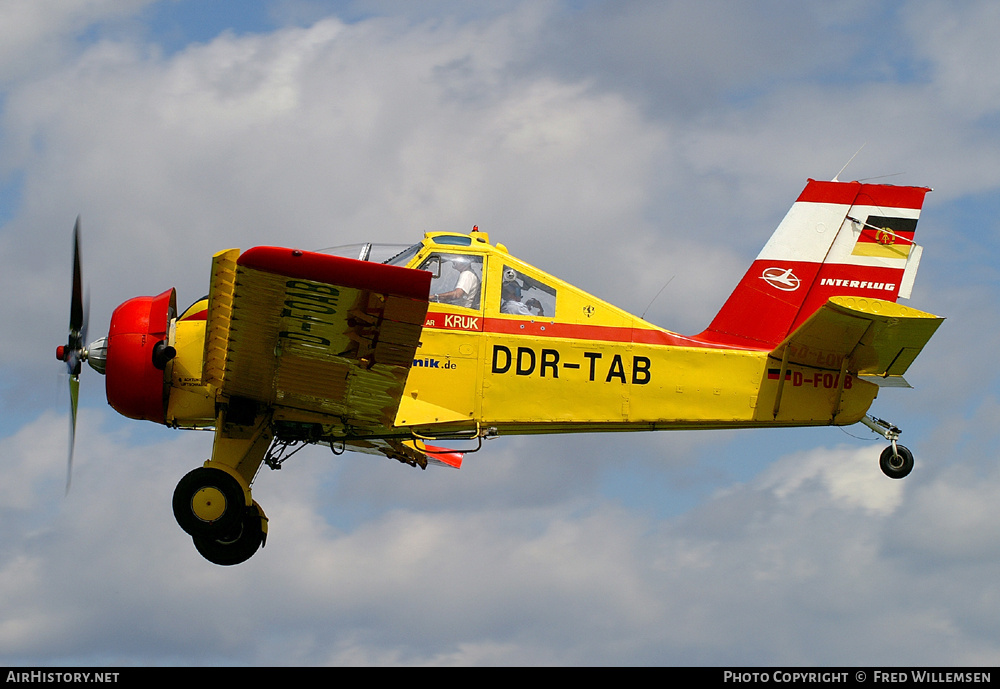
[[369, 251], [515, 292]]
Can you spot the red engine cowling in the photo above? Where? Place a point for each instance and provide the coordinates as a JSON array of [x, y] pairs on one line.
[[136, 388]]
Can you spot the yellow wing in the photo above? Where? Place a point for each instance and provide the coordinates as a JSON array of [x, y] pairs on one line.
[[323, 341]]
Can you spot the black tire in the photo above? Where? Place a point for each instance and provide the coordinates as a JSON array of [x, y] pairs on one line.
[[234, 503], [239, 546], [896, 465]]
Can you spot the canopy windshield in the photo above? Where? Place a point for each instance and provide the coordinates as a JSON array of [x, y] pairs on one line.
[[376, 253]]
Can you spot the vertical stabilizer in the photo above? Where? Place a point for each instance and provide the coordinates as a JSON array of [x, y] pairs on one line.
[[838, 239]]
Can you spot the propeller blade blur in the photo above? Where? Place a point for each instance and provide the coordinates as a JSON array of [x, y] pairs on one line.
[[76, 307], [74, 397], [74, 353]]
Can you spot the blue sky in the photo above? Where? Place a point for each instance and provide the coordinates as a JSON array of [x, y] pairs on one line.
[[618, 145]]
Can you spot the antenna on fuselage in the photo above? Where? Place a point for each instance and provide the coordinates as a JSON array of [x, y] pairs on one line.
[[894, 174], [836, 177], [643, 316]]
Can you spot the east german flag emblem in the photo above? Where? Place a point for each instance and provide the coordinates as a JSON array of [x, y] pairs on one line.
[[885, 237]]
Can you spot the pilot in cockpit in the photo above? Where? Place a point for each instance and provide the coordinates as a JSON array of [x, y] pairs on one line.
[[511, 297], [466, 291]]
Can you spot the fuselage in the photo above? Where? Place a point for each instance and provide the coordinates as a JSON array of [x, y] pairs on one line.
[[577, 363], [560, 360]]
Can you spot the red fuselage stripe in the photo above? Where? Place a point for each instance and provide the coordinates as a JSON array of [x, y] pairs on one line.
[[592, 333]]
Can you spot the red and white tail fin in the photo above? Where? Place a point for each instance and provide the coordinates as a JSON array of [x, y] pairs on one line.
[[839, 238]]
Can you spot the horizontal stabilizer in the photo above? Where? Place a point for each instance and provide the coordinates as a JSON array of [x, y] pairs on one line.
[[877, 338]]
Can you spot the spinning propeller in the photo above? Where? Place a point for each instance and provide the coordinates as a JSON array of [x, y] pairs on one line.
[[74, 353]]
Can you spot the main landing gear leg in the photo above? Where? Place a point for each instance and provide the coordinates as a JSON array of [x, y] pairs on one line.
[[213, 503], [896, 461]]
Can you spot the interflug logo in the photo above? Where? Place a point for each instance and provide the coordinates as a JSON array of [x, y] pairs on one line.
[[781, 278]]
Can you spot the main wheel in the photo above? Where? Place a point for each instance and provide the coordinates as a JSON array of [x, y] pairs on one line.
[[238, 546], [896, 464], [209, 503]]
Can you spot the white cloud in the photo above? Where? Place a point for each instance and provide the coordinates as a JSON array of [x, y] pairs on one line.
[[845, 475], [36, 34], [957, 41]]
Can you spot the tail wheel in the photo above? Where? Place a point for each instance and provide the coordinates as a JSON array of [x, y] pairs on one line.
[[209, 503], [239, 545], [896, 461]]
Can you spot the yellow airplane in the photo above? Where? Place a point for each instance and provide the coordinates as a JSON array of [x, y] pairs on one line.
[[455, 339]]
